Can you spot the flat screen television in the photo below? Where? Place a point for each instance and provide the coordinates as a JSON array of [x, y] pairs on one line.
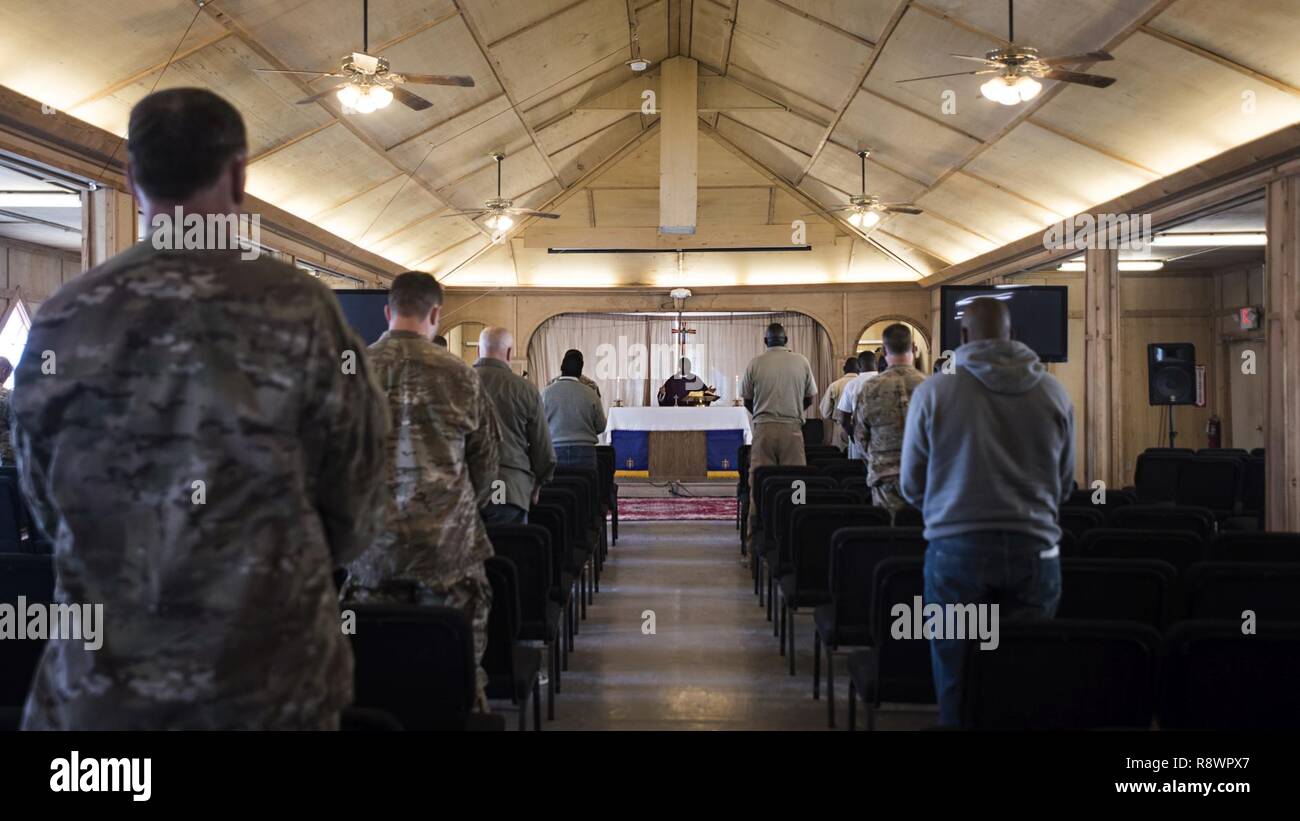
[[364, 311], [1039, 315]]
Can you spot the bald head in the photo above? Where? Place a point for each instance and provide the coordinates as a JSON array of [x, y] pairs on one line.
[[496, 343], [985, 318]]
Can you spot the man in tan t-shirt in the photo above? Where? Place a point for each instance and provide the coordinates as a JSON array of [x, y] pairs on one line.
[[777, 387]]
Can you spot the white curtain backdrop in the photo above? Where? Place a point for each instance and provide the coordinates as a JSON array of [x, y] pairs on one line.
[[630, 355]]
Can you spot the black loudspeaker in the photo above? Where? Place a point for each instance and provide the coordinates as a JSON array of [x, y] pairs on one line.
[[1171, 373]]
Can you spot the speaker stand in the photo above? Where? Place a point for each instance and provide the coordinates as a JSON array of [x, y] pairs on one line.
[[1173, 434]]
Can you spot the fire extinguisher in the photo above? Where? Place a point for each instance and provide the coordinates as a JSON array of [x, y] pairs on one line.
[[1213, 431]]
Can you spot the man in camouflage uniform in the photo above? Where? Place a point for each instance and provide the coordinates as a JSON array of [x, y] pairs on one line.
[[442, 460], [6, 439], [200, 439], [880, 414]]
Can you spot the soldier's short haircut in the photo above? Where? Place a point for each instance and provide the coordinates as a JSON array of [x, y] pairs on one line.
[[897, 339], [571, 365], [180, 140], [414, 294]]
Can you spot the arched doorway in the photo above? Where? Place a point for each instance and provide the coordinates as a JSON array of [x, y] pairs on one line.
[[870, 339], [462, 339]]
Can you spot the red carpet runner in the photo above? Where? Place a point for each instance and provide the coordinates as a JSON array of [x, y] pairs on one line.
[[677, 509]]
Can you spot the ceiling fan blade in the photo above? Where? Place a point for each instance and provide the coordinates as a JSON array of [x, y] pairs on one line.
[[1094, 80], [326, 73], [901, 208], [954, 74], [1089, 57], [410, 99], [528, 212], [313, 98], [976, 59], [477, 212], [437, 79]]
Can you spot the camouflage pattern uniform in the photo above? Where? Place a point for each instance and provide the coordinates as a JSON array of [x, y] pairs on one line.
[[443, 458], [583, 379], [6, 437], [879, 416], [150, 374]]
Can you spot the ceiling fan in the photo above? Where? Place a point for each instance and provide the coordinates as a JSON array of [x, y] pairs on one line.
[[499, 210], [1019, 68], [370, 84], [866, 210]]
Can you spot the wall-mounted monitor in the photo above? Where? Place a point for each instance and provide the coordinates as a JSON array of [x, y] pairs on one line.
[[364, 311], [1039, 315]]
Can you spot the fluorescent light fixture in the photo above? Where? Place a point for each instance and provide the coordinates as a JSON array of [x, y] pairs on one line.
[[39, 199], [1124, 265], [1216, 240]]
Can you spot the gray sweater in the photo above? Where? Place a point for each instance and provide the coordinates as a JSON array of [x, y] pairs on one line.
[[991, 445], [573, 412]]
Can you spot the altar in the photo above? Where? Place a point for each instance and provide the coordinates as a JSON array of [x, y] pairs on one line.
[[677, 443]]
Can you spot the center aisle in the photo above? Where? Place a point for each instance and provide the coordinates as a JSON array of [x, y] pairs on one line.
[[712, 663]]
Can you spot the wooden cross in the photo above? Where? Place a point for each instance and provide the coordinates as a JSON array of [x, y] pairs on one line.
[[681, 332]]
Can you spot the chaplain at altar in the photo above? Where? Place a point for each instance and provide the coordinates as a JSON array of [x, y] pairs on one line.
[[680, 384]]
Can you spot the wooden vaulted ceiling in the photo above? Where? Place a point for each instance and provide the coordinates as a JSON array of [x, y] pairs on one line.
[[1196, 77]]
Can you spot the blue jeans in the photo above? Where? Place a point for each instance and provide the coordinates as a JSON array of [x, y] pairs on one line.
[[582, 456], [1018, 572]]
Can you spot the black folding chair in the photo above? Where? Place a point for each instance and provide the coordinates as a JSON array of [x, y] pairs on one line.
[[1062, 674], [417, 664], [514, 671], [1216, 677], [1180, 548], [529, 548], [1078, 520], [1213, 482], [1131, 590], [895, 670], [32, 578], [807, 585], [1199, 520], [1156, 476], [1255, 547], [846, 620], [1229, 590]]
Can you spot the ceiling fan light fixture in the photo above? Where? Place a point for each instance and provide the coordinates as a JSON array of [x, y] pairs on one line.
[[866, 220], [381, 96], [349, 95], [1011, 90], [499, 222]]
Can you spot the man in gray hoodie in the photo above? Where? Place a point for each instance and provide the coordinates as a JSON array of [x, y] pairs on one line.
[[988, 456]]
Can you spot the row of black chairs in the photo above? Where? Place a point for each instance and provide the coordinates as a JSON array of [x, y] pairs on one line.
[[1024, 685], [415, 666], [1228, 482]]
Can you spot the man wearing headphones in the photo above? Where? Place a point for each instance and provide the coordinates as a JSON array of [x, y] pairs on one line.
[[777, 387]]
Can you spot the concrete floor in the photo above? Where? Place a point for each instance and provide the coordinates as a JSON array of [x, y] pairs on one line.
[[712, 663]]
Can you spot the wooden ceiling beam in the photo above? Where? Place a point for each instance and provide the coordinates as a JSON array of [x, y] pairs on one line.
[[1214, 57], [826, 24], [876, 50], [496, 73]]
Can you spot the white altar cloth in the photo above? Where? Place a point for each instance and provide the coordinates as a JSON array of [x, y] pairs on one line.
[[727, 417]]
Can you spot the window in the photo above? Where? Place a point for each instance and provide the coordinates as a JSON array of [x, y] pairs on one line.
[[13, 334]]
